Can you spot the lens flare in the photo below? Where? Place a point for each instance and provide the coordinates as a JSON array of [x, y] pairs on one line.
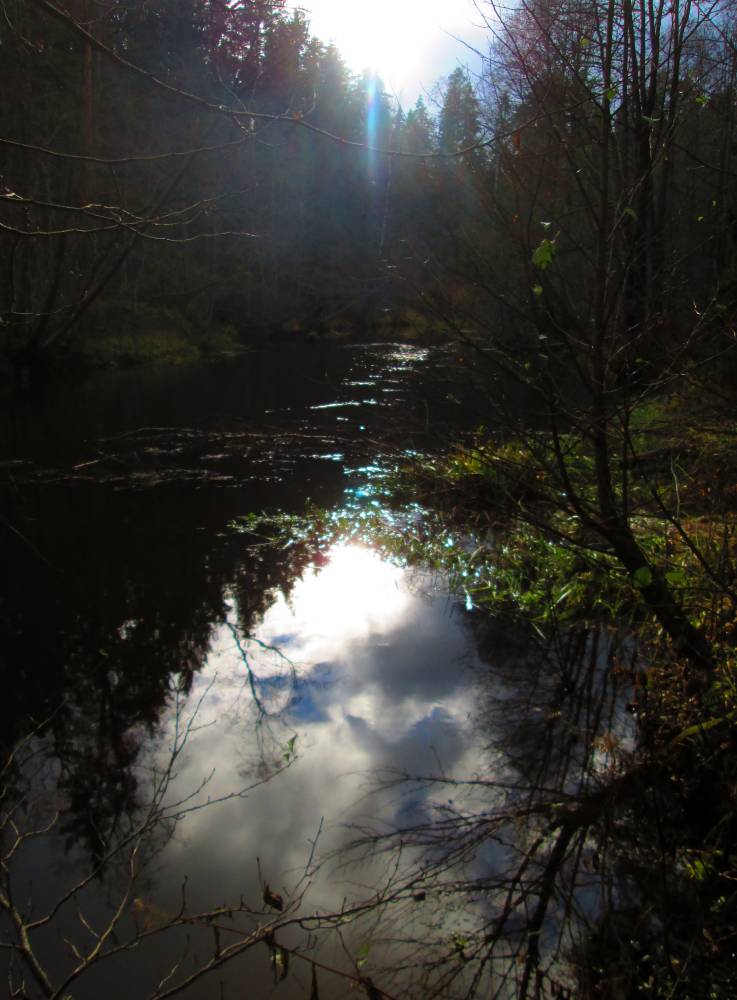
[[373, 105]]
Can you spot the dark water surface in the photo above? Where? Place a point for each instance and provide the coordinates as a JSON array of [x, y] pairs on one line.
[[130, 609]]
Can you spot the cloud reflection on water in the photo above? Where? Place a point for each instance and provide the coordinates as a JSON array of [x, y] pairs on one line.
[[377, 678]]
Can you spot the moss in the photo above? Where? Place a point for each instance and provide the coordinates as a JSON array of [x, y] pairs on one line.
[[140, 349], [122, 335]]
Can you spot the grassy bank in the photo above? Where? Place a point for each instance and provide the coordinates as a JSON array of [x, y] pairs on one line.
[[123, 337]]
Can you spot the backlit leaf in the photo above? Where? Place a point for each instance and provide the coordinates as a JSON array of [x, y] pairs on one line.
[[544, 254]]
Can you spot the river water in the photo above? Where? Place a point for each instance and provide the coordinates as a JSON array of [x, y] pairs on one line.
[[251, 721], [134, 616]]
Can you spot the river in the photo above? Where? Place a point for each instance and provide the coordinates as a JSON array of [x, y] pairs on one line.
[[304, 753], [134, 616]]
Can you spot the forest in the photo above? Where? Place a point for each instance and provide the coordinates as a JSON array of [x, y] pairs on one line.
[[196, 172], [189, 182], [212, 170]]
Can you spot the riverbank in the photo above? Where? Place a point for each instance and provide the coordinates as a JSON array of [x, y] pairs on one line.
[[622, 676], [143, 337]]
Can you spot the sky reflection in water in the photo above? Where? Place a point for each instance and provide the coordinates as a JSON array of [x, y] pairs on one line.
[[370, 673]]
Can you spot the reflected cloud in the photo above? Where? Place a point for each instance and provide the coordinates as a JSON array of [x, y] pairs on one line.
[[373, 678]]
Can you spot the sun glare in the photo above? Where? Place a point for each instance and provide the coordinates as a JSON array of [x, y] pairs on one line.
[[392, 37], [354, 594]]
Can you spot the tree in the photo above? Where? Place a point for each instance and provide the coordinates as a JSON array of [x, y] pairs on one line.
[[459, 124], [417, 131], [579, 268], [169, 128]]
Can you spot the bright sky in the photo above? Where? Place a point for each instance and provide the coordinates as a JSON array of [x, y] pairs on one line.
[[409, 43]]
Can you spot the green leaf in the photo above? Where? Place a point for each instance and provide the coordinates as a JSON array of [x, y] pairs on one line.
[[702, 100], [696, 871], [585, 42], [643, 576], [288, 749], [537, 290], [280, 961], [676, 577], [362, 954], [611, 93], [631, 212], [702, 727], [544, 254]]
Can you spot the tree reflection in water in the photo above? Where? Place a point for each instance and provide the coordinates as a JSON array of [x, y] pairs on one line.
[[102, 905], [588, 854], [561, 868], [97, 776]]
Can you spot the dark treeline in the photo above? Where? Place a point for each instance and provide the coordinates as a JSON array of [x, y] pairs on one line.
[[165, 170], [138, 195]]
